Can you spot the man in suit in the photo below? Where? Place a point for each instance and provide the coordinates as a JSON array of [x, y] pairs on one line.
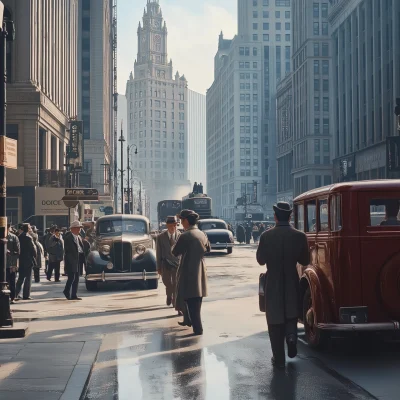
[[167, 264], [74, 250], [281, 248], [192, 273], [27, 260], [13, 251]]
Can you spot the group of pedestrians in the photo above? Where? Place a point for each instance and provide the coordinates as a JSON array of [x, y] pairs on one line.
[[180, 262], [245, 232], [25, 255]]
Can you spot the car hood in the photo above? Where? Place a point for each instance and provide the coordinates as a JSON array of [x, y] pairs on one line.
[[211, 232]]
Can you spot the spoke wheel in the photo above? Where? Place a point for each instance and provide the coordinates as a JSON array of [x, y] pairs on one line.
[[314, 336]]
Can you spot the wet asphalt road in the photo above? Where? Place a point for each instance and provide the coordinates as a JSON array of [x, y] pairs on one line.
[[153, 358]]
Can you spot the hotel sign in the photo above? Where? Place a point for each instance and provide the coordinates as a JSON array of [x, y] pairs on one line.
[[75, 148]]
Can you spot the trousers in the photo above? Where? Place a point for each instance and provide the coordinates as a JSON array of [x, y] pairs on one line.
[[10, 278], [169, 280], [71, 287], [25, 278], [277, 335], [194, 308], [54, 266], [36, 274]]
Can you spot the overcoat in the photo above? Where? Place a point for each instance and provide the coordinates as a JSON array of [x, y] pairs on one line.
[[240, 234], [27, 257], [281, 248], [192, 273], [13, 250], [71, 261], [55, 249]]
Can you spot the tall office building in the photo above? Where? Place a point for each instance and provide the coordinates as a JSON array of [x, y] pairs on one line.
[[95, 90], [241, 106], [197, 147], [42, 98], [157, 113], [312, 89], [366, 83]]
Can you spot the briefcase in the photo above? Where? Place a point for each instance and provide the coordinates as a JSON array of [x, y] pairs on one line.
[[261, 292]]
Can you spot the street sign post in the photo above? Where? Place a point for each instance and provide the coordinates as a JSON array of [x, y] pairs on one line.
[[82, 194]]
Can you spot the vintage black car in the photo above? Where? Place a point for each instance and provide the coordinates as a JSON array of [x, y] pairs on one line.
[[218, 234], [122, 250]]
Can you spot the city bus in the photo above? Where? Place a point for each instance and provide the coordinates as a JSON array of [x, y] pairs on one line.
[[166, 208], [198, 202]]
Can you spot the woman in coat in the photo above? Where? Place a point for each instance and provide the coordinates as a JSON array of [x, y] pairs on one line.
[[191, 284]]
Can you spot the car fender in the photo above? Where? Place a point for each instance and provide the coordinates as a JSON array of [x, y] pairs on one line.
[[95, 259], [310, 278], [146, 261]]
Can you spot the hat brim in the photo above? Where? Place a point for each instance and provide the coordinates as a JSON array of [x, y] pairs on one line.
[[276, 208]]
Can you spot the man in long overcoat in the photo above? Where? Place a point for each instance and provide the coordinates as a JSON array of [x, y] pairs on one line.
[[27, 260], [280, 249], [74, 250], [167, 263], [192, 272], [13, 251]]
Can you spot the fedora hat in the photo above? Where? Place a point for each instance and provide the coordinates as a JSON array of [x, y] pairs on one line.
[[171, 220], [188, 213], [282, 206], [76, 224]]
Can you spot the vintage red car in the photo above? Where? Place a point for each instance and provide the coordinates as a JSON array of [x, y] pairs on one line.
[[353, 280]]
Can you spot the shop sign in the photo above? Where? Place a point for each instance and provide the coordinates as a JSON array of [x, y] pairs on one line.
[[48, 201]]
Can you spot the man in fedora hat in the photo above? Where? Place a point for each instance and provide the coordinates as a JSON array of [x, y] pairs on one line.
[[167, 263], [281, 248], [74, 250]]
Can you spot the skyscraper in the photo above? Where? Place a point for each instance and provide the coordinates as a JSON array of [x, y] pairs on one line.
[[241, 107], [95, 90], [157, 113]]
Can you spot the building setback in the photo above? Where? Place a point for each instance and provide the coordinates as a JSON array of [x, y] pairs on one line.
[[366, 83], [241, 106], [41, 96], [197, 140], [157, 114], [95, 94]]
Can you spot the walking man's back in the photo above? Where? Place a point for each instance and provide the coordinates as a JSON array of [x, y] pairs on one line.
[[280, 249]]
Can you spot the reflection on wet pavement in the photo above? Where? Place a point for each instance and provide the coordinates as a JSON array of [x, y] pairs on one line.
[[168, 364]]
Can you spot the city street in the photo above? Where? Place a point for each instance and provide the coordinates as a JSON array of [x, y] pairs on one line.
[[144, 354]]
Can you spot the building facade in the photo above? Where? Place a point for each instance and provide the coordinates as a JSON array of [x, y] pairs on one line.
[[197, 147], [241, 107], [366, 83], [95, 90], [284, 140], [157, 114], [312, 94], [42, 98]]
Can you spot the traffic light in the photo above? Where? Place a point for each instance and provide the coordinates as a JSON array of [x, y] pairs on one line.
[[397, 108]]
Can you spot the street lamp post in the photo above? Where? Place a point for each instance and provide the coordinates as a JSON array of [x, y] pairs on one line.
[[128, 168], [6, 33], [122, 140]]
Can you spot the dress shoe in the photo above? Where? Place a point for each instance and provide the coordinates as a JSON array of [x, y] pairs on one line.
[[67, 296], [292, 347], [169, 301], [185, 323], [27, 298], [276, 364], [12, 301], [58, 281], [75, 298], [49, 279]]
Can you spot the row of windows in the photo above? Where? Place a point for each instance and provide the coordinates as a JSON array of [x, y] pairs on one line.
[[278, 3], [247, 140], [143, 124], [247, 86], [247, 108], [278, 37], [325, 50], [316, 29], [325, 67], [244, 76], [157, 134], [325, 126], [324, 10], [278, 26], [325, 104], [325, 85], [248, 172], [245, 65]]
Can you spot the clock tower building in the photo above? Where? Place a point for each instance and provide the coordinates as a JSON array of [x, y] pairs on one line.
[[157, 108]]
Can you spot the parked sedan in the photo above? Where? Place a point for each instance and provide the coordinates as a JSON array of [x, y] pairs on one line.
[[220, 237], [122, 250]]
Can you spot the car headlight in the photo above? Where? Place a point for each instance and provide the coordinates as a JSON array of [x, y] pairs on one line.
[[140, 249], [110, 265], [105, 250]]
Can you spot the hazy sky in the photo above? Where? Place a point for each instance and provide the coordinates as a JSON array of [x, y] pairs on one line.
[[193, 29]]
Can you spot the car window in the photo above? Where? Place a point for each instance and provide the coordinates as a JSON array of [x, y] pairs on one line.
[[119, 226], [384, 212], [299, 210], [323, 216], [311, 216], [336, 213], [206, 226]]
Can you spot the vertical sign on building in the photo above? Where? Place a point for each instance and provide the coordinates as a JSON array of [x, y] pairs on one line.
[[255, 192], [75, 151]]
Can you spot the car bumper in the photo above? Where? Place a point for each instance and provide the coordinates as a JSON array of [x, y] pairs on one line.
[[123, 276], [221, 245], [369, 327]]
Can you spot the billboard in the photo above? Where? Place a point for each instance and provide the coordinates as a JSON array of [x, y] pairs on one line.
[[48, 201], [75, 148]]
